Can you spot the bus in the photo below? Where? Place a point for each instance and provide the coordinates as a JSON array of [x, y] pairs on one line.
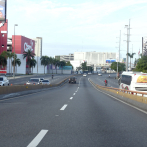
[[133, 81]]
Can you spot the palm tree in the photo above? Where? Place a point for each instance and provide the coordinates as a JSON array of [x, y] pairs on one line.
[[131, 56], [33, 63], [44, 61], [10, 57], [28, 55], [62, 63], [51, 62], [56, 63], [17, 62], [6, 55], [3, 61]]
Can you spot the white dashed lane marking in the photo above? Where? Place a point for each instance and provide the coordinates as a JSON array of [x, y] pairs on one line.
[[63, 108], [38, 138]]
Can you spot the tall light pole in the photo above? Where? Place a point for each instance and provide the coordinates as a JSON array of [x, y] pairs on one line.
[[126, 26], [14, 51]]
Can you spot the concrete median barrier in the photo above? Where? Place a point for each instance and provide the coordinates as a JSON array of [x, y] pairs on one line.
[[126, 96], [19, 88]]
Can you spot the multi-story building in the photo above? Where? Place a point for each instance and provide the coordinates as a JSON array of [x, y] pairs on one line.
[[38, 46], [65, 58], [96, 59]]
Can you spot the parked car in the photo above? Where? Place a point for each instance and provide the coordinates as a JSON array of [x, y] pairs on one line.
[[89, 73], [4, 81], [72, 80], [84, 75], [33, 81], [45, 82]]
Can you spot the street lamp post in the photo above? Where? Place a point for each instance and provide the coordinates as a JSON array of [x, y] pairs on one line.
[[14, 51], [127, 46]]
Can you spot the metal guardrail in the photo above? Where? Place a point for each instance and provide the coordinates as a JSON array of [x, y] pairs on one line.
[[122, 90]]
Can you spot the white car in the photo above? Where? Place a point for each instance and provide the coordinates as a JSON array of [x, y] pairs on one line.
[[89, 73], [4, 81], [84, 75], [41, 79], [45, 82], [99, 74], [33, 81]]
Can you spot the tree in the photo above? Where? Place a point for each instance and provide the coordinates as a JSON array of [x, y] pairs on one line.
[[3, 61], [6, 55], [17, 62], [51, 61], [142, 64], [131, 56], [62, 63], [28, 55], [33, 63], [10, 57], [68, 64], [121, 66], [44, 61], [56, 63]]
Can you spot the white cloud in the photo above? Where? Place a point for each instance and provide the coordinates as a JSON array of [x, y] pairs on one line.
[[62, 22]]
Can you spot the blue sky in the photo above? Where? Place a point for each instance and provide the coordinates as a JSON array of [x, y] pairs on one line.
[[79, 25]]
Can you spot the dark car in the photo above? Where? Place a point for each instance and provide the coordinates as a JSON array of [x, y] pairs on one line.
[[72, 80]]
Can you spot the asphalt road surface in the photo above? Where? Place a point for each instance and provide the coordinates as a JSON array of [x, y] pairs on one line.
[[23, 80], [75, 115], [112, 82]]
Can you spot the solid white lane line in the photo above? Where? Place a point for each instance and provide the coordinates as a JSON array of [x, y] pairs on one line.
[[71, 98], [38, 138], [63, 108], [120, 100]]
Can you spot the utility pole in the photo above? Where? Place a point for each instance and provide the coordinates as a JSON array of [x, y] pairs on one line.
[[37, 55], [118, 58], [128, 40], [119, 45]]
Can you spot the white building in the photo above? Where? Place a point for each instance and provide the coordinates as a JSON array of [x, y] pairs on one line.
[[38, 46], [65, 58], [96, 59]]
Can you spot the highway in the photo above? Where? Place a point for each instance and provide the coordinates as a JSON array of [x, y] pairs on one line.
[[22, 80], [112, 82], [74, 115]]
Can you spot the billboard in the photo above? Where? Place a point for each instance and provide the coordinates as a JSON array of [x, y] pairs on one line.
[[22, 44], [110, 60], [2, 10]]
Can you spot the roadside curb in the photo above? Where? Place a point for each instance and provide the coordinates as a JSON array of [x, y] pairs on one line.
[[134, 100]]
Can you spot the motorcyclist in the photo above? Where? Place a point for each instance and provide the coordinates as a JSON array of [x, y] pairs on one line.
[[106, 82]]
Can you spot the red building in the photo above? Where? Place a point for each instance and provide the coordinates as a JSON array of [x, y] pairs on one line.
[[3, 41], [22, 44]]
